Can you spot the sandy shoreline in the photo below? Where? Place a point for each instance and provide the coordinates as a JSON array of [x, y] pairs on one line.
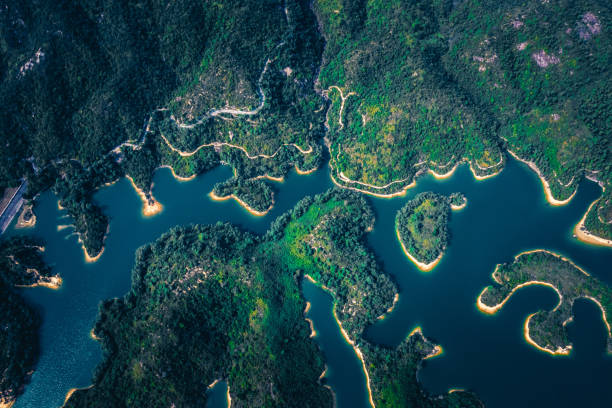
[[390, 309], [176, 176], [313, 332], [459, 207], [487, 176], [8, 404], [359, 354], [93, 336], [72, 391], [149, 207], [346, 338], [422, 266], [89, 258], [560, 351], [254, 212], [51, 282], [305, 172], [493, 309], [404, 189], [21, 222], [584, 235], [437, 350], [547, 191]]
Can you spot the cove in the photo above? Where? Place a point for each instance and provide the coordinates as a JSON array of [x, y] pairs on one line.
[[487, 354]]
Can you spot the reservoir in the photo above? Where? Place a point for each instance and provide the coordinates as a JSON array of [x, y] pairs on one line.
[[505, 215]]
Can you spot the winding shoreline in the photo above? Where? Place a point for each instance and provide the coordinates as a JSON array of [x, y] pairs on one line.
[[495, 308], [347, 339], [547, 191], [560, 351], [254, 212], [390, 309], [584, 235], [150, 207], [72, 391], [358, 353], [422, 266], [437, 349], [53, 282], [490, 310]]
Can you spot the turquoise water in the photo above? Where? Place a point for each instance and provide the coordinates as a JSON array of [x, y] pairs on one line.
[[344, 372], [217, 395], [505, 215]]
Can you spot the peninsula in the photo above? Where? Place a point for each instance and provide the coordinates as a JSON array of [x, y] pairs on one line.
[[21, 265], [545, 330], [231, 309]]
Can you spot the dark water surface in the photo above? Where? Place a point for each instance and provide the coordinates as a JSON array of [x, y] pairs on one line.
[[488, 354]]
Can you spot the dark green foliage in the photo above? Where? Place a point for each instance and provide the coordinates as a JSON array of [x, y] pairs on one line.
[[21, 264], [547, 328], [422, 225], [19, 344], [75, 190], [211, 302]]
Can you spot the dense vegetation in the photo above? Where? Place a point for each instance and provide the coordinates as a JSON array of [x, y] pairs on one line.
[[210, 302], [425, 84], [413, 86], [19, 344], [395, 111], [542, 70], [422, 225], [547, 328], [81, 78], [21, 264], [255, 194]]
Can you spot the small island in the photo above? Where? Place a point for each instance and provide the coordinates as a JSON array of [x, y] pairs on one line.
[[422, 227], [545, 330]]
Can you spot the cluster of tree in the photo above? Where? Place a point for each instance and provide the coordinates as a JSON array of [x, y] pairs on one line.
[[81, 77], [437, 82], [21, 263], [544, 78], [595, 221], [401, 107], [75, 188], [422, 225], [214, 302], [257, 194], [19, 343], [547, 328], [393, 377]]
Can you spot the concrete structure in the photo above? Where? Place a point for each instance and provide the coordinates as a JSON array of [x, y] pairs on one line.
[[11, 204]]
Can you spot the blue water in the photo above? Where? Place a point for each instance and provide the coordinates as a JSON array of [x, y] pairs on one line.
[[488, 354]]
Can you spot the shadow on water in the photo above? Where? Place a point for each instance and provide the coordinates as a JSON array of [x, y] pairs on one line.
[[505, 215]]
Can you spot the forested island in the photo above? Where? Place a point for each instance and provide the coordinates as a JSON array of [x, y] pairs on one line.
[[546, 329], [21, 264], [214, 302], [421, 226]]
